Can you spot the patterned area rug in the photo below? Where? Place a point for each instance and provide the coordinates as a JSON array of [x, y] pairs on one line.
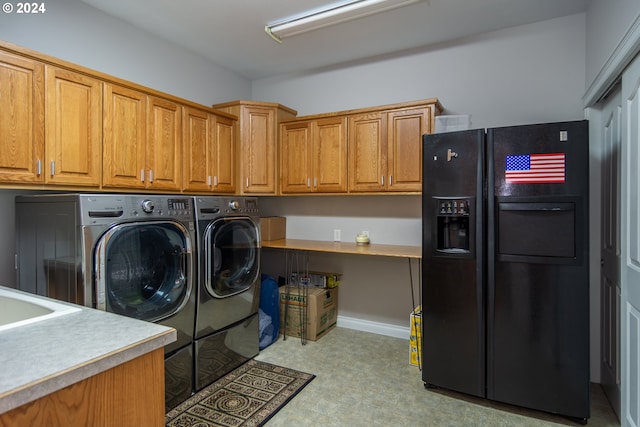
[[248, 396]]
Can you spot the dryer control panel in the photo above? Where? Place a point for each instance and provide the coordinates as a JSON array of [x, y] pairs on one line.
[[211, 207]]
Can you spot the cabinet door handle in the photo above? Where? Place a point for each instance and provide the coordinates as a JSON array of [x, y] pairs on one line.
[[382, 180], [315, 182], [308, 182], [215, 181], [39, 167], [141, 175], [390, 180], [53, 167], [209, 180], [247, 183], [150, 175]]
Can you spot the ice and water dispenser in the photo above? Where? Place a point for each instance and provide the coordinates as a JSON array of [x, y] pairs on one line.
[[453, 232]]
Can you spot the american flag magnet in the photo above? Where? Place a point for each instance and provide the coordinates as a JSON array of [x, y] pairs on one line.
[[535, 168]]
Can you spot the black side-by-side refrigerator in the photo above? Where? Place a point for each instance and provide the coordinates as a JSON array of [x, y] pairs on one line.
[[505, 296]]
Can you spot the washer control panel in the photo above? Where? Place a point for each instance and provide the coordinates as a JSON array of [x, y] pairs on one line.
[[180, 206], [108, 209]]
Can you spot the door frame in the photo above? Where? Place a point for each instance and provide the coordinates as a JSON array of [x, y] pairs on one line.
[[621, 56]]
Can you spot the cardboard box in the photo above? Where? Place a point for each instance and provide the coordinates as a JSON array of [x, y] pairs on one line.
[[273, 227], [316, 279], [415, 337], [322, 311]]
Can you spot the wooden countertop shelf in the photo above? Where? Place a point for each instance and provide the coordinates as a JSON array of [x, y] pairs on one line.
[[345, 248]]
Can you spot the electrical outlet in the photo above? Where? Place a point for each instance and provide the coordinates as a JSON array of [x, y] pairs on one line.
[[337, 235]]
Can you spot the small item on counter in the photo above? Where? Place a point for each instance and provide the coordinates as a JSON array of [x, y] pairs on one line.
[[362, 239]]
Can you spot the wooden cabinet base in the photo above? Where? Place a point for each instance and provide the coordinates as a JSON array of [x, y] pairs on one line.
[[131, 394]]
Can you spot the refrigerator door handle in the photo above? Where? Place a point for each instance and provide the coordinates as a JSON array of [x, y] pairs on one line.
[[537, 206]]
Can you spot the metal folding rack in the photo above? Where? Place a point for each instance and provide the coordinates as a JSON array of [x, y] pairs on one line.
[[297, 266]]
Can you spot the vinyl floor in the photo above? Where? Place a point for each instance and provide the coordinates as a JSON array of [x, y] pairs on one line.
[[365, 379]]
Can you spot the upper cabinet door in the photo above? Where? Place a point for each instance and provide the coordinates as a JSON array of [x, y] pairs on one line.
[[21, 120], [73, 128], [124, 137], [404, 141], [330, 155], [258, 150], [197, 150], [296, 171], [367, 152], [224, 159], [164, 143]]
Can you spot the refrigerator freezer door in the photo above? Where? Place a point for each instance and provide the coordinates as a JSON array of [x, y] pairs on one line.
[[538, 272], [452, 298]]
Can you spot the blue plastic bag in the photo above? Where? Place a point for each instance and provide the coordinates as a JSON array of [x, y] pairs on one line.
[[269, 313]]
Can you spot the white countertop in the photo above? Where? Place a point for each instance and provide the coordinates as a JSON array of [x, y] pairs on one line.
[[44, 357]]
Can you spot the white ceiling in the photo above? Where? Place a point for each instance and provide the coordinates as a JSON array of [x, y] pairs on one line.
[[231, 32]]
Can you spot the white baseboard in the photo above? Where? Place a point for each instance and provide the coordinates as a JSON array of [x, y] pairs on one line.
[[373, 327]]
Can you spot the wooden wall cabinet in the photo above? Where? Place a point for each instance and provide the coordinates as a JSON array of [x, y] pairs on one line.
[[209, 152], [65, 126], [258, 135], [367, 150], [73, 117], [313, 156], [141, 140], [21, 120], [385, 147]]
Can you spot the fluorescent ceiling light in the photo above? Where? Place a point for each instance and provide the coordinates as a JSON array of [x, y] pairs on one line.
[[330, 15]]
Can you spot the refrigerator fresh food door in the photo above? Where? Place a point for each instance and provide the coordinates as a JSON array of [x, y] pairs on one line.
[[452, 298], [538, 267]]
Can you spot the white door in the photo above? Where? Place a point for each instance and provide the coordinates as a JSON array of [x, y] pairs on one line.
[[610, 248], [630, 245]]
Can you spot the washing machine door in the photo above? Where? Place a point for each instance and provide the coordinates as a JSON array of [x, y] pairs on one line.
[[142, 269], [232, 256]]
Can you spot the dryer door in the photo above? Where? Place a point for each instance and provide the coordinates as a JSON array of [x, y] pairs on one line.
[[232, 257], [142, 269]]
